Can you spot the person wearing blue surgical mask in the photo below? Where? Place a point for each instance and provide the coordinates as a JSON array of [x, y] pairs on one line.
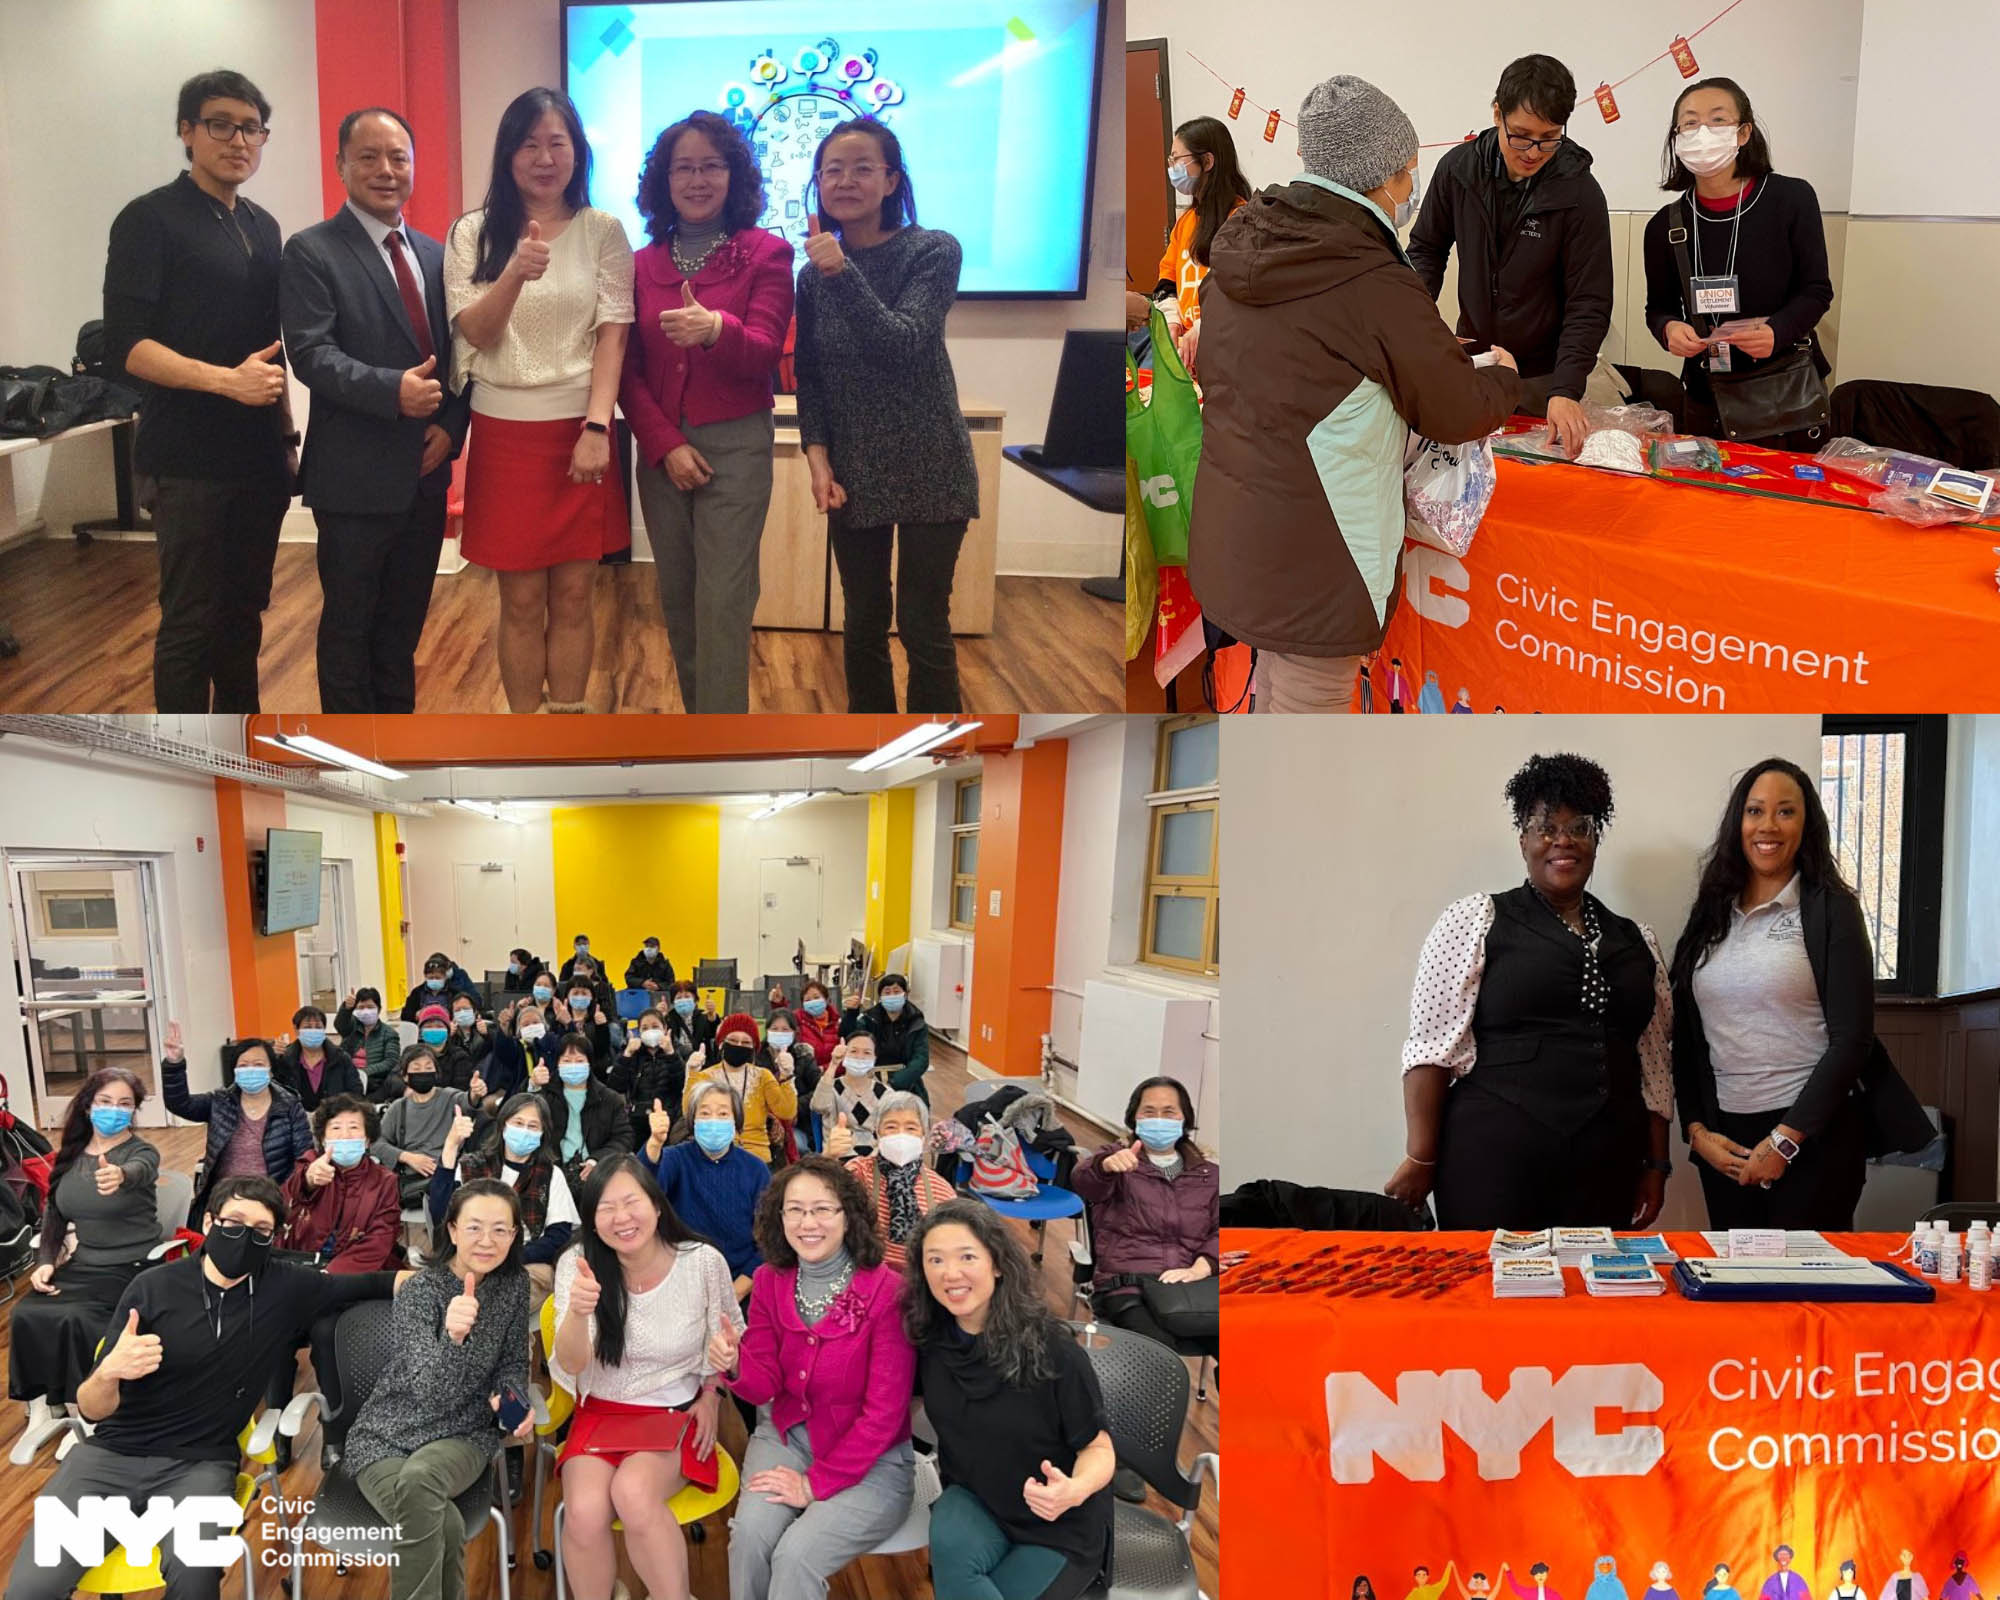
[[649, 969], [522, 965], [465, 1055], [443, 982], [1155, 1211], [273, 1126], [371, 1040], [902, 1036], [314, 1066], [579, 952], [103, 1186], [587, 1118], [516, 1148], [343, 1205], [1201, 166], [713, 1183], [690, 1025]]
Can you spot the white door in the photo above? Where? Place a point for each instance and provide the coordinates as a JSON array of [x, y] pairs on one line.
[[87, 954], [487, 918], [323, 947], [788, 910]]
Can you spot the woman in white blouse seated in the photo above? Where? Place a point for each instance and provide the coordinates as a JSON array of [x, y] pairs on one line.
[[636, 1302], [1537, 1076], [1774, 1019], [538, 285]]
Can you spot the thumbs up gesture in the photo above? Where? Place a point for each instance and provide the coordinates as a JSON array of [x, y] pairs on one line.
[[109, 1176], [1051, 1495], [840, 1139], [691, 323], [461, 1130], [722, 1347], [659, 1122], [462, 1311], [823, 249], [531, 255], [320, 1173], [136, 1354], [419, 394], [1124, 1160], [584, 1291], [257, 380]]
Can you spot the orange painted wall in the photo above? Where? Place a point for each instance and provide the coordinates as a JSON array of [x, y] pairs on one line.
[[263, 973], [1014, 954]]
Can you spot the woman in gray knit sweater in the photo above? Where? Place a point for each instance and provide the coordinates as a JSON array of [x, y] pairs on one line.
[[879, 414], [428, 1430]]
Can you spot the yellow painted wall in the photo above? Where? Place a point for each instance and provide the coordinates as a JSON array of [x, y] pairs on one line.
[[389, 894], [623, 872], [891, 822]]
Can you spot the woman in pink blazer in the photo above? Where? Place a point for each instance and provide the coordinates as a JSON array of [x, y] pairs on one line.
[[829, 1472], [714, 298]]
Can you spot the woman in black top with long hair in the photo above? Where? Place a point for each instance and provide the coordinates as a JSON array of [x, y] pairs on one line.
[[1753, 225], [1774, 1018], [1202, 163]]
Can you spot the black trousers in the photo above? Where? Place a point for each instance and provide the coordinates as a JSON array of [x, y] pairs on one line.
[[375, 577], [218, 540], [926, 557], [1498, 1167], [1819, 1190]]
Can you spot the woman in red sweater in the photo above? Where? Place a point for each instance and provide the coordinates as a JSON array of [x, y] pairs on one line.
[[714, 297]]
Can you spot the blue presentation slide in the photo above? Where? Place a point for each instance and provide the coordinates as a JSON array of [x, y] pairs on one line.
[[991, 99]]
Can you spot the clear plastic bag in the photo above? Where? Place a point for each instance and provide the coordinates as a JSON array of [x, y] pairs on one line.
[[1912, 505], [1637, 420], [1874, 463], [1672, 452], [1447, 488], [1537, 444], [1613, 449]]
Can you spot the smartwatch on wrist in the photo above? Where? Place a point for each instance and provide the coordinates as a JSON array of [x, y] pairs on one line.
[[595, 427], [1788, 1148]]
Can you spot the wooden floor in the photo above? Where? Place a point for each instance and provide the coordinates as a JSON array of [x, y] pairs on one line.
[[904, 1577], [85, 618]]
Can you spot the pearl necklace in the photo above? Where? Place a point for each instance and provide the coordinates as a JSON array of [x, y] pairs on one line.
[[813, 1307]]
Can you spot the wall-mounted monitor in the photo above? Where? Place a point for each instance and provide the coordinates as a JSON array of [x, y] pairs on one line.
[[291, 880]]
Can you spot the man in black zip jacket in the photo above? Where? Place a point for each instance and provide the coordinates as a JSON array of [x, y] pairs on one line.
[[1534, 241]]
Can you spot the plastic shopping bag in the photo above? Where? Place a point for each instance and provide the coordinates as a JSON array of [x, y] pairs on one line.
[[1163, 438], [1447, 488]]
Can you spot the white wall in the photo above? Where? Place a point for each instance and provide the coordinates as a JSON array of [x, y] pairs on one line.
[[87, 91], [348, 835], [1927, 72], [1004, 353], [50, 800], [1969, 938], [835, 830], [1367, 830], [436, 843]]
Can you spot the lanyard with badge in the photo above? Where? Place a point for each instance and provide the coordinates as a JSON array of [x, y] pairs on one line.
[[1716, 296]]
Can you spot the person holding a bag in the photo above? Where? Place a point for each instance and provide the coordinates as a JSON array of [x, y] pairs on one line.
[[1155, 1218], [1743, 248], [1321, 350], [1784, 1091]]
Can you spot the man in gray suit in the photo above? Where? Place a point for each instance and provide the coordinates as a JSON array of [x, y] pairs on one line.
[[361, 296]]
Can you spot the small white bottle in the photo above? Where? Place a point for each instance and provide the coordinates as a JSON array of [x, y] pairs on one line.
[[1949, 1258], [1927, 1253], [1979, 1264]]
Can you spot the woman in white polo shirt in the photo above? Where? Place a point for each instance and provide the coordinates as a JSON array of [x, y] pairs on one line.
[[1774, 1019], [538, 286]]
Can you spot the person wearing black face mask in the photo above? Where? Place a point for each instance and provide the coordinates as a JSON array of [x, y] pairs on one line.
[[184, 1366], [414, 1128], [766, 1094]]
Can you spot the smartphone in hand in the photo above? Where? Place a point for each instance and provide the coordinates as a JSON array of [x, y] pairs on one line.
[[515, 1408]]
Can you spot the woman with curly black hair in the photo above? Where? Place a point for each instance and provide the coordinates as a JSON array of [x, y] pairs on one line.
[[714, 299], [1537, 1076], [1774, 1019]]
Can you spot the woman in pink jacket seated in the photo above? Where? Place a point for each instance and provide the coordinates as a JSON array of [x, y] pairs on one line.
[[714, 298], [829, 1472], [1155, 1209]]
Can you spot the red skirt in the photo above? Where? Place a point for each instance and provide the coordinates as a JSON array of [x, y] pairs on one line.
[[522, 512], [611, 1431]]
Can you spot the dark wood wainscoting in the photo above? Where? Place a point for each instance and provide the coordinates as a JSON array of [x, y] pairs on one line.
[[1949, 1051]]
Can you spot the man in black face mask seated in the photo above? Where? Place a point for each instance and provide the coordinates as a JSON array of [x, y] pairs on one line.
[[183, 1368]]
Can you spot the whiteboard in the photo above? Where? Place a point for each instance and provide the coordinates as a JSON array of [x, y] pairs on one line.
[[1925, 145], [1440, 59]]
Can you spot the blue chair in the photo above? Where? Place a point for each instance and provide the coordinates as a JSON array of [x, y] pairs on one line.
[[633, 1001], [1052, 1203]]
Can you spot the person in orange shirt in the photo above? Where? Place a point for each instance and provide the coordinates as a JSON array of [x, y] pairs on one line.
[[1202, 165]]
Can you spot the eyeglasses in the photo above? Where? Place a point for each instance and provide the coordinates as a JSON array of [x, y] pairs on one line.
[[861, 172], [708, 169], [236, 1230], [1721, 119], [1522, 143], [223, 131], [1581, 831], [479, 1233], [811, 1213]]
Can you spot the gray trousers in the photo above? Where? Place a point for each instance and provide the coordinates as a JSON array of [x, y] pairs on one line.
[[705, 549], [416, 1493], [778, 1552], [92, 1469]]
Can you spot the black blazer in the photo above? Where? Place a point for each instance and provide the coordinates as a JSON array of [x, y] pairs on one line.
[[1855, 1062], [349, 341]]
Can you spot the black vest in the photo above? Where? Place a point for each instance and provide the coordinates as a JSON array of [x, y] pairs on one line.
[[1537, 1047]]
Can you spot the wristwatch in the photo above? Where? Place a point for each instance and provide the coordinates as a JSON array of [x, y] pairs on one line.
[[595, 427], [1788, 1148]]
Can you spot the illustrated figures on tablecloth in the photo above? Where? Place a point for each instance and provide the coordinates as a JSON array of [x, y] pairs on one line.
[[1784, 1583]]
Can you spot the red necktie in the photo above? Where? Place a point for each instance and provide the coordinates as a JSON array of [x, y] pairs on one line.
[[413, 303]]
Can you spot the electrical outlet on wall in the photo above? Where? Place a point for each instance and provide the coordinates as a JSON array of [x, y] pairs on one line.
[[993, 904]]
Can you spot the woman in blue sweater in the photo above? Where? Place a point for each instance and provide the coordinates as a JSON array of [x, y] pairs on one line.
[[713, 1183]]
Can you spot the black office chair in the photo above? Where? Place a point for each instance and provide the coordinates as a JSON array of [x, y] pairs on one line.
[[1146, 1401], [342, 1517], [716, 974], [791, 983], [752, 1002], [1961, 1214]]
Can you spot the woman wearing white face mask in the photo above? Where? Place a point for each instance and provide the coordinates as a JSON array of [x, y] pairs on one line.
[[1201, 166], [1320, 350], [900, 1187], [1756, 251], [650, 1069]]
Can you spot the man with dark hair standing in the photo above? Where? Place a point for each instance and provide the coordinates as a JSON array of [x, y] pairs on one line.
[[363, 300], [1534, 240], [191, 311]]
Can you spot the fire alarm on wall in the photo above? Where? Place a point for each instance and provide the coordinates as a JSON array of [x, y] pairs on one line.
[[400, 847], [200, 844]]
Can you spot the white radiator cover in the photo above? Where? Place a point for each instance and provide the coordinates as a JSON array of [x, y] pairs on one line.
[[1130, 1034], [937, 980]]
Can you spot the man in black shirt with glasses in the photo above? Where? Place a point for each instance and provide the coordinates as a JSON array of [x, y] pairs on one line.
[[183, 1367], [191, 312]]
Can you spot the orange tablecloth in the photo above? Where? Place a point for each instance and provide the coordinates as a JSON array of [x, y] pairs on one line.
[[1373, 1435], [1587, 591]]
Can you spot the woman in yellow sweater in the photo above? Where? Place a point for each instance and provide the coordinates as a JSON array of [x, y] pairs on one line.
[[1203, 165], [766, 1094]]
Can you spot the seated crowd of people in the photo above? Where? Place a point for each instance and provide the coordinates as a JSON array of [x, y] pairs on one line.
[[665, 1183]]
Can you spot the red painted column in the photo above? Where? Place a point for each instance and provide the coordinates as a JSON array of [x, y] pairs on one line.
[[402, 54]]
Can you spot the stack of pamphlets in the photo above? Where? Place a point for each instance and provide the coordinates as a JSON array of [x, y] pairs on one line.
[[1508, 1245], [1653, 1246], [1527, 1278], [1622, 1275], [1573, 1246]]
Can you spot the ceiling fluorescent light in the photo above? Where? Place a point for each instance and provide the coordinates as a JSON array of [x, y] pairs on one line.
[[926, 736], [784, 802], [304, 744], [487, 809]]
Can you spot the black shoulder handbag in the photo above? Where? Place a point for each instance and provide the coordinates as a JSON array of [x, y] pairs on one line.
[[1784, 394], [1191, 1309]]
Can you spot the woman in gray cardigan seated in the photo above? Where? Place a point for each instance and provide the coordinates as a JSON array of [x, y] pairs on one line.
[[1774, 1020], [429, 1428]]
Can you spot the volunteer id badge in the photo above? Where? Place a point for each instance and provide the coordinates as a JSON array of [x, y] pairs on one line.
[[1715, 296], [1718, 357]]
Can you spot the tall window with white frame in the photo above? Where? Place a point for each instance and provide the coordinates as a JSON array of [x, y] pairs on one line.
[[1183, 922], [965, 853]]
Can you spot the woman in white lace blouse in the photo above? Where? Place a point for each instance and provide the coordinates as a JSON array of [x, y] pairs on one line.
[[538, 285]]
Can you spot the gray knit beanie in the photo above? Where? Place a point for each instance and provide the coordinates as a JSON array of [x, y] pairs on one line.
[[1353, 133]]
